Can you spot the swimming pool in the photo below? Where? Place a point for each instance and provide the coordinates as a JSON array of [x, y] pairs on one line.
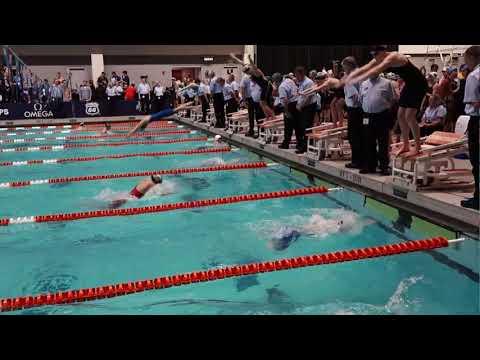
[[48, 257]]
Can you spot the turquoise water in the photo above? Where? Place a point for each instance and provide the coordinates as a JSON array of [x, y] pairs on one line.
[[39, 258]]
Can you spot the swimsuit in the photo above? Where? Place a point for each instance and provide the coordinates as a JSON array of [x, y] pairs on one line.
[[136, 193], [415, 87]]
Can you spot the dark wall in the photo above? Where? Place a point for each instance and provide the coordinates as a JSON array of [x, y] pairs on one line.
[[284, 58]]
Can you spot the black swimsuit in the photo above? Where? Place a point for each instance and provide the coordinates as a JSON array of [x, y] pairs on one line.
[[415, 85]]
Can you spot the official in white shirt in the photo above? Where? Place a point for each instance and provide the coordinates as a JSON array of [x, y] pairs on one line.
[[306, 105], [377, 96], [246, 96], [111, 99], [202, 95], [143, 90], [158, 99], [230, 97], [288, 96]]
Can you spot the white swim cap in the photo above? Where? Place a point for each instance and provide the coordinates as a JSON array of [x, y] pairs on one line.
[[217, 137]]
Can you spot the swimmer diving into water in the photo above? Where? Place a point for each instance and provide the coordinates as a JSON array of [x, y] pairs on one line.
[[138, 191], [157, 116]]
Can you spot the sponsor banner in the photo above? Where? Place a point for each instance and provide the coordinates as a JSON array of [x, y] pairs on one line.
[[68, 109]]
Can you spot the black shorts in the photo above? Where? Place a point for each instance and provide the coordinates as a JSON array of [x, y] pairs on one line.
[[412, 96]]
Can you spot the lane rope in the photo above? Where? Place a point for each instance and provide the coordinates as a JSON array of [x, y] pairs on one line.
[[251, 165], [163, 282], [96, 124], [117, 156], [162, 207], [94, 137], [120, 143]]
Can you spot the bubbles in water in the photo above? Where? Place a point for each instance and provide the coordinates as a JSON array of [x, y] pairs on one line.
[[398, 302]]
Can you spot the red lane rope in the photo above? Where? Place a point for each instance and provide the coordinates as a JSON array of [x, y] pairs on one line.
[[93, 137], [252, 165], [123, 289], [163, 207], [119, 156], [120, 143], [69, 126], [66, 131]]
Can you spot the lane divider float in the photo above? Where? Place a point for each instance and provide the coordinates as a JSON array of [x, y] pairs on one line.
[[26, 132], [96, 124], [120, 143], [224, 167], [94, 137], [162, 207], [117, 156], [163, 282]]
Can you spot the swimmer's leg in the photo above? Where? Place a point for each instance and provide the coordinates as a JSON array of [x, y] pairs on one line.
[[115, 204]]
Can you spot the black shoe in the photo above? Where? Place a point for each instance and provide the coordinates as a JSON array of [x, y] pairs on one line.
[[385, 172], [470, 203], [283, 146], [367, 171], [352, 166]]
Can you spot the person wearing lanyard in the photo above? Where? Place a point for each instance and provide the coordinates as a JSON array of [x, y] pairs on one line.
[[216, 88], [377, 96], [288, 95], [306, 105], [202, 98], [255, 90], [235, 88], [229, 96], [144, 94], [472, 108], [158, 100], [111, 98], [246, 95], [119, 91]]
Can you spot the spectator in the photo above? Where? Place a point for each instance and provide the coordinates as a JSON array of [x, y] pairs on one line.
[[85, 94], [472, 108], [157, 101], [45, 92], [434, 116], [118, 91], [92, 89], [102, 80], [111, 98], [235, 88], [35, 91], [56, 94], [125, 79], [100, 91], [60, 78], [115, 78], [143, 90], [28, 82], [377, 96], [306, 105], [131, 93], [16, 87], [246, 96]]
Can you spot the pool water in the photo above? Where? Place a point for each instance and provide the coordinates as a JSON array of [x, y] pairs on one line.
[[50, 257]]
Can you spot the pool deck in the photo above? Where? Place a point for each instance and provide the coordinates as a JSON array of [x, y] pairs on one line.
[[441, 207]]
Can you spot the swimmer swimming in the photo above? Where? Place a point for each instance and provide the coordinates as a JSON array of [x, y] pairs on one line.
[[285, 235], [157, 116], [138, 191]]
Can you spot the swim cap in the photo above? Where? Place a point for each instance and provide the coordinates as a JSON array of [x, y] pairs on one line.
[[157, 179], [217, 137]]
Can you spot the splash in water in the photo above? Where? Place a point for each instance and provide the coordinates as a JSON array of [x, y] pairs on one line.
[[320, 224], [165, 188]]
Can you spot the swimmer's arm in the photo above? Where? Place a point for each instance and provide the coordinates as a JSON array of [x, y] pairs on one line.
[[375, 69], [141, 125], [115, 204]]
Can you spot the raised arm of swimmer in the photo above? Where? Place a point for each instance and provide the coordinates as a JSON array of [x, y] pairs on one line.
[[157, 116], [374, 68]]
